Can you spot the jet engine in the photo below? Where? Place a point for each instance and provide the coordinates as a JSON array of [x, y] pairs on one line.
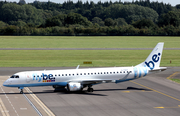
[[74, 86]]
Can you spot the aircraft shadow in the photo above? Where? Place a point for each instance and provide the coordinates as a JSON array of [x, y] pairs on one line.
[[84, 92], [128, 88]]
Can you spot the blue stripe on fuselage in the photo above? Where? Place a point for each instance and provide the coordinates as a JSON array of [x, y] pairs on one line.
[[135, 72], [38, 84], [139, 72]]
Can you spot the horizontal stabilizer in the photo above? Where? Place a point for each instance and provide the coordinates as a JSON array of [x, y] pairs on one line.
[[160, 69]]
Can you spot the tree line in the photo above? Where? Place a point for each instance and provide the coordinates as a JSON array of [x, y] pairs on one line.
[[118, 18]]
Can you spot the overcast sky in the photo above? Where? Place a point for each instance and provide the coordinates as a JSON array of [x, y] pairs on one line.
[[172, 2]]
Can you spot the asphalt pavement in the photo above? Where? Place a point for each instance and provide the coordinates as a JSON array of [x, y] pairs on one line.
[[153, 95]]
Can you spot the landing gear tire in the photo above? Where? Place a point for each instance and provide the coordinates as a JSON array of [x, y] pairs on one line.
[[21, 92], [90, 89]]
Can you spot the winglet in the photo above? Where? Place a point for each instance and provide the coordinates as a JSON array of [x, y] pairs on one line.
[[77, 67]]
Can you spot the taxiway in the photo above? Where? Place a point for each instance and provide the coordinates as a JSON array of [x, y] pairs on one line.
[[152, 95]]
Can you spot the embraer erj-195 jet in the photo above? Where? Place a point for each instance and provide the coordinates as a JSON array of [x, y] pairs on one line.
[[77, 79]]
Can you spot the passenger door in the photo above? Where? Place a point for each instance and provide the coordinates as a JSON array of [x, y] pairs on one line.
[[28, 78]]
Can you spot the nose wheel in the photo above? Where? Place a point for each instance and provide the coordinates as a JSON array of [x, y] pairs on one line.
[[21, 89]]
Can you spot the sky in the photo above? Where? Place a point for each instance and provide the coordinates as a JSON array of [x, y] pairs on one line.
[[172, 2]]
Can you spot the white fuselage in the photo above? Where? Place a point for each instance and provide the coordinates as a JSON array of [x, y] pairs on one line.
[[62, 77]]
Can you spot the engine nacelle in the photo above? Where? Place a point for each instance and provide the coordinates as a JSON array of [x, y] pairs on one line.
[[74, 86]]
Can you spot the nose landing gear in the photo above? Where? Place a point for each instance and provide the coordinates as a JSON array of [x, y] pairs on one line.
[[21, 89]]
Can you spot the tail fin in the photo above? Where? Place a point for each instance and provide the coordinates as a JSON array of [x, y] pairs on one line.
[[154, 58]]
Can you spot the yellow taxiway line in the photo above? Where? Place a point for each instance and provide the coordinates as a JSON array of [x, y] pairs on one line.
[[174, 74], [168, 107], [156, 91]]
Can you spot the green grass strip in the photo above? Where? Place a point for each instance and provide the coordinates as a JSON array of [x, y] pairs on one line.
[[68, 58], [87, 41], [176, 80]]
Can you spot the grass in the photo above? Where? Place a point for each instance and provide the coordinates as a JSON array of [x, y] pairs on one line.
[[87, 41], [67, 58], [176, 80]]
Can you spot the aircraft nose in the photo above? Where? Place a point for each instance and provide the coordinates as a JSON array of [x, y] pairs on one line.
[[6, 83]]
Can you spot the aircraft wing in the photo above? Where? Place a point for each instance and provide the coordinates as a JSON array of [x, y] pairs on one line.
[[91, 81]]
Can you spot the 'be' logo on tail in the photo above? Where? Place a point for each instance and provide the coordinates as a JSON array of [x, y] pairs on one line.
[[155, 58]]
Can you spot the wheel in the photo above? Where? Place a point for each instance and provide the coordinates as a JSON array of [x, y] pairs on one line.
[[90, 90], [21, 91]]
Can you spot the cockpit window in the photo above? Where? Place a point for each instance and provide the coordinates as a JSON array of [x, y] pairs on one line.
[[17, 77], [14, 76]]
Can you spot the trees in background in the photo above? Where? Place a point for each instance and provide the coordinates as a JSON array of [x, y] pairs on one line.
[[171, 18], [88, 18]]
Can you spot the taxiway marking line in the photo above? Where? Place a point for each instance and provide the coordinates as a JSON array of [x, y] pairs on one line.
[[135, 91], [167, 107], [174, 74], [9, 101], [156, 91], [3, 109], [44, 107]]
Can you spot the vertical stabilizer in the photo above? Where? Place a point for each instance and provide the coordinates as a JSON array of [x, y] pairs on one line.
[[154, 58]]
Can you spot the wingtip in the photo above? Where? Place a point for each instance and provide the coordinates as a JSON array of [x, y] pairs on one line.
[[161, 43]]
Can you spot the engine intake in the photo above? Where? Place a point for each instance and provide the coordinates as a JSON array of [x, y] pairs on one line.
[[74, 86]]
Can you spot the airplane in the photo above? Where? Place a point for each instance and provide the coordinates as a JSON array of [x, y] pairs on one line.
[[78, 79]]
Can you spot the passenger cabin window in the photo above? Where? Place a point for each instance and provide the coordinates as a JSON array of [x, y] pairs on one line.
[[59, 75]]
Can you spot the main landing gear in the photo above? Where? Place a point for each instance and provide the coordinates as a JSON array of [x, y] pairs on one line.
[[21, 89], [90, 89]]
